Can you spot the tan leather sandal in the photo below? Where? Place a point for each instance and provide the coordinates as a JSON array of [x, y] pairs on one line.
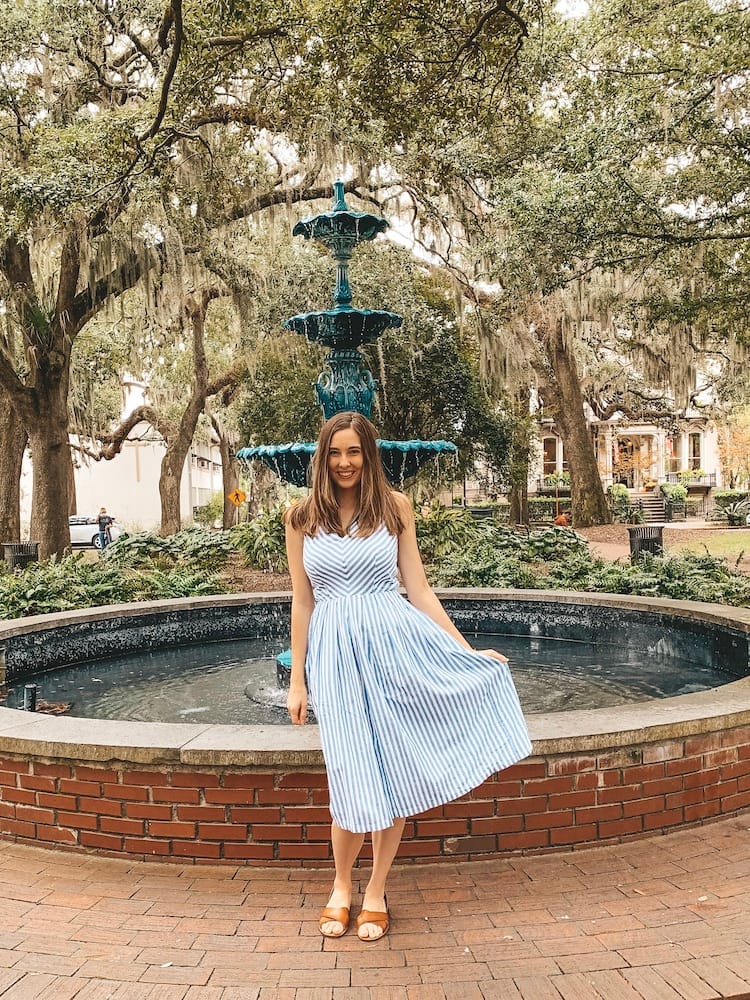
[[334, 914], [381, 920]]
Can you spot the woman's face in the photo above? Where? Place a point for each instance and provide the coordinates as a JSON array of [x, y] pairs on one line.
[[345, 459]]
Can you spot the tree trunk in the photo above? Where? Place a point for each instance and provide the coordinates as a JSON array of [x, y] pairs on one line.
[[519, 504], [229, 477], [178, 444], [519, 461], [40, 397], [169, 481], [72, 499], [588, 501], [50, 458], [13, 440]]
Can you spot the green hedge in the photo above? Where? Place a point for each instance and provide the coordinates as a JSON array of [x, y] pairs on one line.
[[540, 508], [674, 492], [725, 498]]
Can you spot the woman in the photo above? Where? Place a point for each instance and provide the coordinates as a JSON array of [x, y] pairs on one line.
[[410, 715]]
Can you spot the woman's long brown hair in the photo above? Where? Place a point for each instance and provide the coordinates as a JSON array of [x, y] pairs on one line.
[[377, 501]]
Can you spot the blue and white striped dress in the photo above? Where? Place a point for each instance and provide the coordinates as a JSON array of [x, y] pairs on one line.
[[408, 717]]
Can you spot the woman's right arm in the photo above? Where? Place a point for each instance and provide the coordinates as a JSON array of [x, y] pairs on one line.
[[303, 603]]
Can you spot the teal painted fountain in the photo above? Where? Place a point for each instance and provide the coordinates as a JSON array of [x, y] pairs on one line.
[[346, 384]]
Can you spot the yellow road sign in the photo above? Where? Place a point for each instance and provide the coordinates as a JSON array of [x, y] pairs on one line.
[[237, 497]]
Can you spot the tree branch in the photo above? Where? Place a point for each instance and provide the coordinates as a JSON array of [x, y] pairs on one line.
[[15, 261], [291, 195], [70, 269], [237, 41], [116, 438], [231, 378], [174, 57], [122, 277]]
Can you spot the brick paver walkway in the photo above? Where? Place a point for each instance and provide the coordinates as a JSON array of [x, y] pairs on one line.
[[661, 919]]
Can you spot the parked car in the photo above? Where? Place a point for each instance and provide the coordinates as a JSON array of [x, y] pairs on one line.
[[84, 530]]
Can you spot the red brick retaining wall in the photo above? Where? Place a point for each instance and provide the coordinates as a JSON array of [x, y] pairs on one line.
[[280, 816]]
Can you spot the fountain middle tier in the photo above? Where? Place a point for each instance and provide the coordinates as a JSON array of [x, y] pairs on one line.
[[344, 327]]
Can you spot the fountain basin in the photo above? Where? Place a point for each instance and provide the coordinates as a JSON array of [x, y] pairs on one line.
[[258, 793], [401, 459]]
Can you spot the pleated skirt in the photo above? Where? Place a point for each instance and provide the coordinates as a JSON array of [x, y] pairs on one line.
[[409, 718]]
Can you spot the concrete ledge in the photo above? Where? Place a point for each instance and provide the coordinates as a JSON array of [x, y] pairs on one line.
[[558, 732]]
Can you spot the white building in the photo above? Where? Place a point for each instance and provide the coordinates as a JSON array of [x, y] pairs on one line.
[[128, 485]]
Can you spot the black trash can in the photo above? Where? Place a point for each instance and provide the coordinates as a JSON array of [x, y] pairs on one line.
[[645, 538], [20, 554]]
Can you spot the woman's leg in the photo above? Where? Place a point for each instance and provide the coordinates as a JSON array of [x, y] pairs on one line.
[[384, 846], [346, 848]]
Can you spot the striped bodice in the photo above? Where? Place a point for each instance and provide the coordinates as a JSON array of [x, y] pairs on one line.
[[342, 566]]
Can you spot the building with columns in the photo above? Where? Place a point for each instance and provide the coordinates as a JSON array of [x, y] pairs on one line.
[[636, 454]]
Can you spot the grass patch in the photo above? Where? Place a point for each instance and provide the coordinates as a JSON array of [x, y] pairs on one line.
[[728, 544]]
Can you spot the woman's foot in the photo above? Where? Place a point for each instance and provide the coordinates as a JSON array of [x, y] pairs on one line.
[[374, 920], [334, 919]]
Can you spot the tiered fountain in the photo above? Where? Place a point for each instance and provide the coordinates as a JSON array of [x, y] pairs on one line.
[[347, 384]]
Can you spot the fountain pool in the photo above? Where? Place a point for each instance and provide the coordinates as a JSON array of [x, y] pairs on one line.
[[257, 793], [235, 681]]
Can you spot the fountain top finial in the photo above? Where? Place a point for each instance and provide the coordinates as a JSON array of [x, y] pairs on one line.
[[339, 200]]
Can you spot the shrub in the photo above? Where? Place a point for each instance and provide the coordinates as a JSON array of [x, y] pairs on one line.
[[569, 565], [195, 548], [674, 492], [262, 540], [144, 548], [551, 544], [619, 502], [499, 557], [210, 513], [618, 493], [688, 476], [723, 498], [446, 529], [557, 480], [737, 513], [483, 566], [72, 582]]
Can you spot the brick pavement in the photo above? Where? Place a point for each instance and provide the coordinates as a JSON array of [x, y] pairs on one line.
[[666, 918]]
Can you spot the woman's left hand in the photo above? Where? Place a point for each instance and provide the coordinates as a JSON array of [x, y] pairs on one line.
[[494, 654]]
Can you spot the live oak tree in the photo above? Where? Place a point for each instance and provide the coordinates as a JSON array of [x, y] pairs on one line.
[[70, 219], [117, 122], [622, 225]]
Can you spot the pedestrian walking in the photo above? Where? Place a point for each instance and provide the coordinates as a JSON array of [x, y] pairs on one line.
[[105, 523]]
